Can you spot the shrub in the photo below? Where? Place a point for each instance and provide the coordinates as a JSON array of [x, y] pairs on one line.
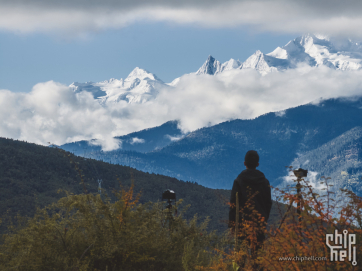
[[299, 235], [84, 232]]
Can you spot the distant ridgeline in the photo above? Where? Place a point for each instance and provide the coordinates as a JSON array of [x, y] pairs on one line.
[[213, 156], [143, 141], [30, 176]]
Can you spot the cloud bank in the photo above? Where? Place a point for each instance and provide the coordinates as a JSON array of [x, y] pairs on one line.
[[332, 17], [52, 112]]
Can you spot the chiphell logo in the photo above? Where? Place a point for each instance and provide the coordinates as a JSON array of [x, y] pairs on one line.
[[344, 244]]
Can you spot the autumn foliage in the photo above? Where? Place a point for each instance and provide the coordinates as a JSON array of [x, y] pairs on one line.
[[88, 232], [298, 242]]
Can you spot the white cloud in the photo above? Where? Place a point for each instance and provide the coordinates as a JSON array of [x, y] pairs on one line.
[[203, 100], [280, 113], [175, 138], [52, 112], [332, 17], [136, 140], [108, 143]]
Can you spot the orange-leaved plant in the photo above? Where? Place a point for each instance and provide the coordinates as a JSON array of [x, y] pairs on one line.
[[298, 241]]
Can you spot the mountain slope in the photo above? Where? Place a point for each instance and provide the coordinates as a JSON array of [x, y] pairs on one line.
[[142, 141], [139, 87], [212, 66], [317, 50], [213, 156], [263, 63], [30, 176], [311, 50], [340, 159]]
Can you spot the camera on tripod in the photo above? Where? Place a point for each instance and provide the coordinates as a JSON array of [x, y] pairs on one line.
[[300, 173], [169, 195]]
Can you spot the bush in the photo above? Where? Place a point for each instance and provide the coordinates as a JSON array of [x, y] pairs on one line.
[[84, 232], [301, 235]]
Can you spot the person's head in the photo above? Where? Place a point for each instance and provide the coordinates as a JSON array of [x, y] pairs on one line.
[[251, 159]]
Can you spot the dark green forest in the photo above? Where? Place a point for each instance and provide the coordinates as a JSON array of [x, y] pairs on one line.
[[31, 175]]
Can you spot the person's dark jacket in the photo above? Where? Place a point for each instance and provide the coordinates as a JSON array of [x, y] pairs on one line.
[[253, 186]]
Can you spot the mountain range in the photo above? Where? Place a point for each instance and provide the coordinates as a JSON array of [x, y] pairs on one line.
[[142, 86], [139, 87], [322, 132], [311, 50], [213, 156], [141, 141]]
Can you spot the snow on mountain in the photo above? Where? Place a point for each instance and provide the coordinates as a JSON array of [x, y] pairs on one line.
[[313, 50], [174, 82], [139, 87], [91, 87], [279, 53], [211, 67], [230, 65], [317, 50], [259, 62]]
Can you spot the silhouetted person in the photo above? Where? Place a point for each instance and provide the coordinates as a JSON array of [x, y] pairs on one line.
[[254, 191]]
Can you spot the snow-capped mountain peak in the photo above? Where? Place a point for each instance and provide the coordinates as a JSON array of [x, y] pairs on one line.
[[317, 50], [254, 60], [141, 74], [211, 67], [230, 65], [309, 49], [260, 62], [279, 53], [314, 50], [140, 86]]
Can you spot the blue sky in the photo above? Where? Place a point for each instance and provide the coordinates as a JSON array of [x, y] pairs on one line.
[[46, 45], [82, 40], [165, 49]]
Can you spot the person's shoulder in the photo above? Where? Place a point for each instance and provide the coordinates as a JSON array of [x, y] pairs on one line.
[[243, 172], [259, 172], [241, 175], [239, 178], [262, 174]]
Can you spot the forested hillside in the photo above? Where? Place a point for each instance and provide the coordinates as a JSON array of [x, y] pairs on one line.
[[31, 175], [339, 159], [213, 156], [142, 141]]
